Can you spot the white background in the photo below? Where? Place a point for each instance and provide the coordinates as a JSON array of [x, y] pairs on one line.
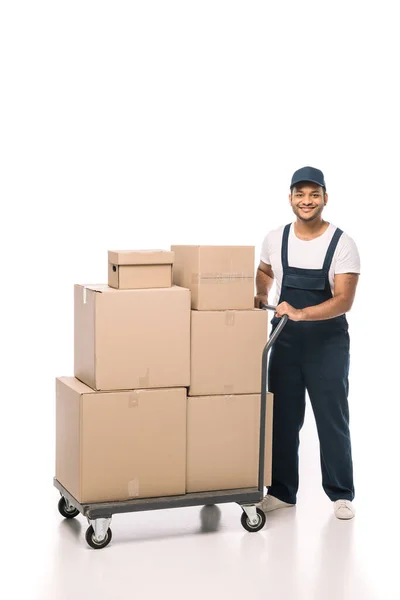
[[147, 123]]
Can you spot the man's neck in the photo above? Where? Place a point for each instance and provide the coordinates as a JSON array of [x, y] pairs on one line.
[[310, 230]]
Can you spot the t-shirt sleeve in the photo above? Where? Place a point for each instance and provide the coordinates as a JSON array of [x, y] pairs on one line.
[[265, 254], [348, 258]]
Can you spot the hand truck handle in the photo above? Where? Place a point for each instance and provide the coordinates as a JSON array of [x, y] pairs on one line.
[[278, 329], [264, 389]]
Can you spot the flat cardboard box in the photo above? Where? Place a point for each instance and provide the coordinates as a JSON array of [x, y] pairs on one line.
[[140, 269], [226, 351], [132, 339], [113, 446], [223, 436], [219, 277]]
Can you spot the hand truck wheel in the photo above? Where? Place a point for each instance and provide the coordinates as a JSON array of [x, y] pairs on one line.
[[257, 526], [66, 509], [97, 544]]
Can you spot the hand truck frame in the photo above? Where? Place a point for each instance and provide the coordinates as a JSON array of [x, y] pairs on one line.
[[99, 514]]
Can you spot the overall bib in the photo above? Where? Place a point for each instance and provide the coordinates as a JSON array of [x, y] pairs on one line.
[[312, 356]]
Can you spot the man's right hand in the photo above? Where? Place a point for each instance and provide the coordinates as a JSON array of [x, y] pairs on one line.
[[260, 299]]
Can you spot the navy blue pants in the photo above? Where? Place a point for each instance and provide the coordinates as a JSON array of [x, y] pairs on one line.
[[314, 357]]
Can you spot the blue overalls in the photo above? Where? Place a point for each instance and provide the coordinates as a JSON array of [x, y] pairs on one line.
[[312, 356]]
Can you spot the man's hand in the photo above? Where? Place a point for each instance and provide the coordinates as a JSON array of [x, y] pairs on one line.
[[294, 314], [260, 299]]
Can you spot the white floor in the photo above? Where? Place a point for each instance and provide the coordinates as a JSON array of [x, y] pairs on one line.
[[302, 553]]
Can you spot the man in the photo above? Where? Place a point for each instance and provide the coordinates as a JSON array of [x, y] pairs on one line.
[[315, 267]]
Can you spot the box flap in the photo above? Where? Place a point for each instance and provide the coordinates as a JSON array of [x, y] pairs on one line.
[[103, 288], [141, 257], [95, 287], [77, 386]]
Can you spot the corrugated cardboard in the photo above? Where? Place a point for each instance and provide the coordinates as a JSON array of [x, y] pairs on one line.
[[132, 339], [226, 351], [140, 269], [131, 277], [223, 435], [219, 277], [113, 446], [141, 257]]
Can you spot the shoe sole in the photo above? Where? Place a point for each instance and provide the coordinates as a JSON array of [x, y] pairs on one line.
[[267, 510], [344, 518]]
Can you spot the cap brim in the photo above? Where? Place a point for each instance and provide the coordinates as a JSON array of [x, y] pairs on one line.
[[307, 181]]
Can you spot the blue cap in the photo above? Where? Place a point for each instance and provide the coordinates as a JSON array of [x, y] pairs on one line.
[[308, 174]]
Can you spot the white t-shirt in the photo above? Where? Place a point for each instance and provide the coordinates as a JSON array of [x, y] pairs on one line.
[[309, 254]]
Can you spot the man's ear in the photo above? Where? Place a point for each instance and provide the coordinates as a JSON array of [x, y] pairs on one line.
[[325, 199]]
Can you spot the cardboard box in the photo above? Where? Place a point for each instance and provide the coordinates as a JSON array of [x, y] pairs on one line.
[[223, 436], [219, 277], [132, 339], [226, 351], [113, 446], [140, 269]]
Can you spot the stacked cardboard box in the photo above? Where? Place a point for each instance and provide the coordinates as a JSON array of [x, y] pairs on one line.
[[165, 397], [121, 421], [140, 269], [121, 444], [227, 339]]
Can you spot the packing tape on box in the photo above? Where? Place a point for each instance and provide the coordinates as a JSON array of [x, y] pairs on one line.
[[215, 278], [230, 318], [133, 401], [133, 488], [144, 382], [228, 390]]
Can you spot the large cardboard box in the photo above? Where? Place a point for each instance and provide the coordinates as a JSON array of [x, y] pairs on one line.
[[219, 277], [132, 339], [120, 445], [226, 351], [223, 436], [138, 269]]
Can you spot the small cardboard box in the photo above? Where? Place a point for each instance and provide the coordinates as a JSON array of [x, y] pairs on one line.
[[132, 339], [140, 269], [113, 446], [223, 436], [219, 277]]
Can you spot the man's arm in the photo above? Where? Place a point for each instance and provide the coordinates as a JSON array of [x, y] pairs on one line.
[[264, 283], [342, 301]]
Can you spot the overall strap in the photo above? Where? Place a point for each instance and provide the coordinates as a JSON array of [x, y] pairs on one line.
[[284, 250], [331, 249]]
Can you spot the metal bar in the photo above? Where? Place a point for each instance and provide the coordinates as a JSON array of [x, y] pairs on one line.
[[264, 389], [97, 510], [198, 499]]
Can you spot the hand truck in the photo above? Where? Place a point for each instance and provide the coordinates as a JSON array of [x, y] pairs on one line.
[[99, 514]]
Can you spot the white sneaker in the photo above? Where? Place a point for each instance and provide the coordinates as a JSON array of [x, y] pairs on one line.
[[344, 509], [269, 503]]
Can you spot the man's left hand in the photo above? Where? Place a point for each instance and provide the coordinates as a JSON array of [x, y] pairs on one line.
[[284, 308]]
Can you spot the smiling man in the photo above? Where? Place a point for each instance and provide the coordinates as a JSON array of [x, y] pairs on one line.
[[315, 267]]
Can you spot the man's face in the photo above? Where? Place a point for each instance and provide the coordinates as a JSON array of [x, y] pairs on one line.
[[308, 201]]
